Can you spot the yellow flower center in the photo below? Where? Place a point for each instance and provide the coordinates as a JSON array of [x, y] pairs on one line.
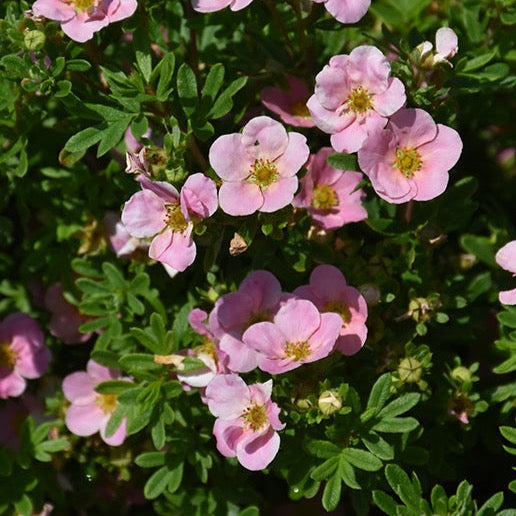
[[259, 317], [299, 109], [359, 100], [208, 348], [339, 308], [84, 5], [297, 350], [107, 402], [7, 356], [263, 173], [255, 417], [175, 218], [325, 197], [408, 161]]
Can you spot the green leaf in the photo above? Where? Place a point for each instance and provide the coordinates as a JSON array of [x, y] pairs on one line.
[[362, 459], [439, 501], [138, 362], [508, 317], [114, 276], [116, 419], [106, 358], [187, 89], [402, 486], [322, 449], [396, 425], [176, 477], [23, 506], [479, 61], [377, 445], [491, 506], [150, 459], [331, 493], [224, 103], [166, 71], [509, 433], [157, 483], [481, 247], [508, 366], [343, 161], [158, 434], [89, 286], [84, 139], [142, 52], [347, 473], [400, 405], [324, 470], [213, 83], [380, 392], [113, 386], [112, 135], [385, 502]]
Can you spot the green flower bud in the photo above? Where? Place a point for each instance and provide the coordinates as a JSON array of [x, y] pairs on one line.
[[329, 402], [410, 370], [462, 374], [34, 40]]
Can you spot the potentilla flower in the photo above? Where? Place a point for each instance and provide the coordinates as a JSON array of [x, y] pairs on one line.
[[208, 6], [161, 213], [298, 334], [446, 46], [411, 157], [80, 19], [257, 299], [90, 411], [346, 11], [247, 420], [23, 353], [289, 104], [506, 259], [66, 318], [354, 95], [329, 195], [329, 292], [258, 167]]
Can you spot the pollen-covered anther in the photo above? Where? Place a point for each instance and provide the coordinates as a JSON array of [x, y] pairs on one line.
[[107, 402], [175, 218], [299, 109], [255, 417], [7, 356], [408, 161], [84, 5], [359, 100], [263, 173], [339, 308], [325, 197], [297, 350]]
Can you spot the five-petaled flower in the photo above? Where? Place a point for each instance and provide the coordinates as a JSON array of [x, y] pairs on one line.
[[247, 420], [346, 11], [258, 167], [80, 19], [354, 95], [411, 157]]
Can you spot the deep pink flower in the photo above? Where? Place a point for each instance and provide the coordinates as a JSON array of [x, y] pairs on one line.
[[346, 11], [298, 334], [208, 6], [258, 167], [289, 104], [80, 19], [411, 157], [160, 213], [23, 353], [256, 300], [354, 95], [247, 420], [506, 259], [66, 318], [330, 195], [329, 292], [90, 411]]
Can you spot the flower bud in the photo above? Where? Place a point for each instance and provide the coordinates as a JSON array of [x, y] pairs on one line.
[[34, 40], [461, 374], [329, 402], [410, 370]]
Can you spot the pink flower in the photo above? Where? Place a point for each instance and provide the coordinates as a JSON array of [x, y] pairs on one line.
[[258, 167], [506, 259], [208, 6], [346, 11], [329, 292], [160, 213], [119, 239], [247, 420], [354, 95], [90, 411], [411, 157], [23, 353], [446, 46], [66, 319], [256, 300], [290, 105], [80, 19], [330, 195], [298, 334]]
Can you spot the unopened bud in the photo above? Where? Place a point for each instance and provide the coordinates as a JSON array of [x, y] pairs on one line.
[[461, 373], [410, 370], [34, 40], [304, 404], [329, 402]]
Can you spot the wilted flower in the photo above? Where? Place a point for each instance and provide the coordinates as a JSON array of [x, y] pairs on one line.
[[247, 420]]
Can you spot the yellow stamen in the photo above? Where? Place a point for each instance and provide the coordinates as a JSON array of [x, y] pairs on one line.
[[175, 218], [339, 308], [408, 160], [297, 350], [359, 100], [263, 173], [325, 197], [255, 417], [299, 109], [7, 356], [107, 402], [84, 5]]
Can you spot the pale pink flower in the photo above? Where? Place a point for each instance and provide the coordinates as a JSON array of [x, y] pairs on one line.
[[119, 239], [354, 95], [329, 292], [80, 19], [90, 411], [258, 167], [411, 157], [289, 104], [506, 259], [66, 318], [161, 213], [208, 6], [23, 353], [329, 195], [298, 334], [247, 420], [346, 11], [446, 46], [257, 299]]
